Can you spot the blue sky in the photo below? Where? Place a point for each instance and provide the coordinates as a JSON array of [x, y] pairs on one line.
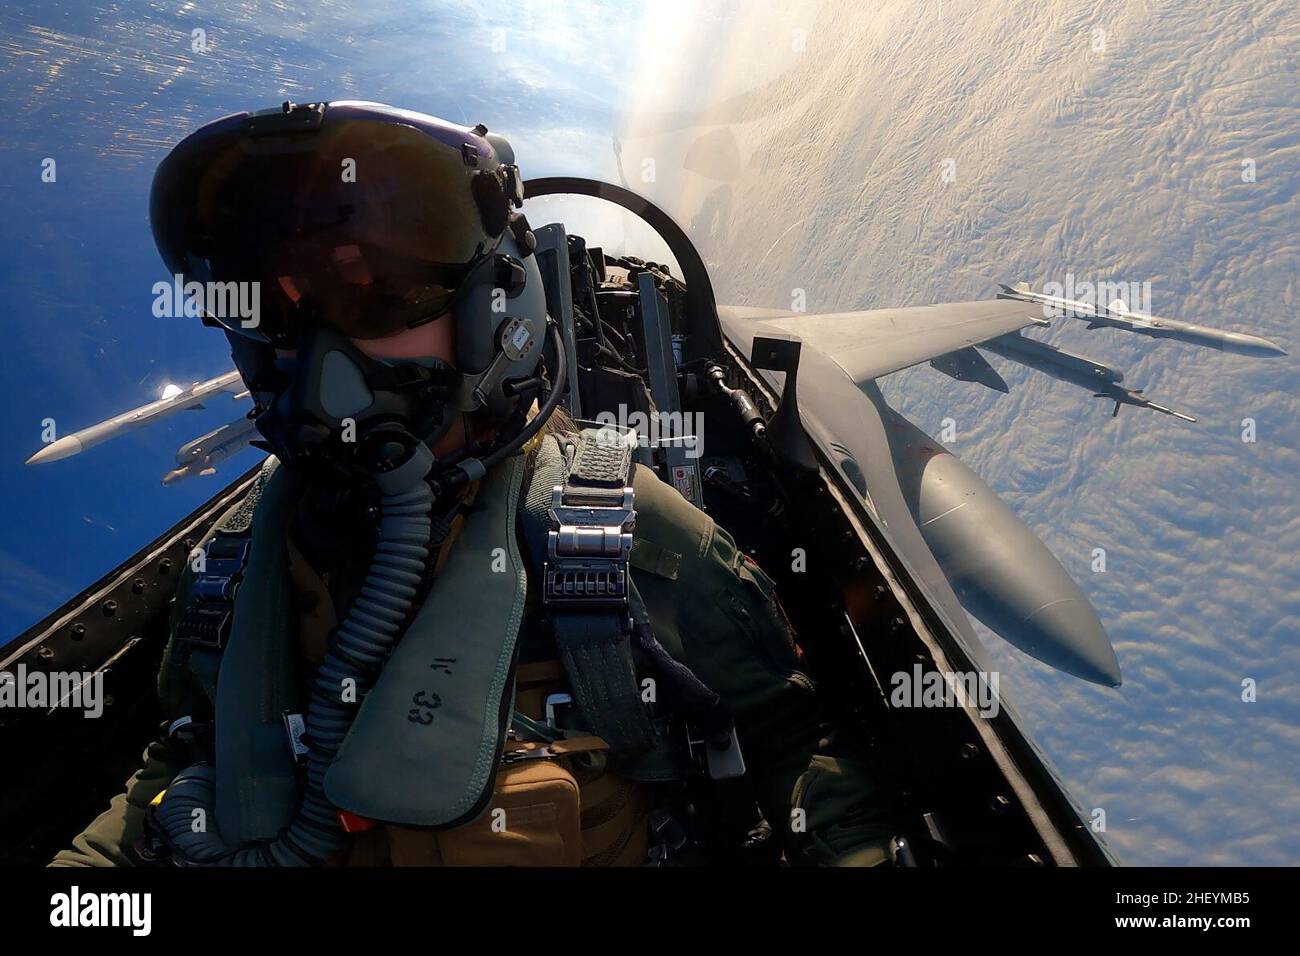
[[105, 91]]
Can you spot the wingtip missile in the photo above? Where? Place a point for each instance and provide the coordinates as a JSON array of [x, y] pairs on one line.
[[57, 450], [1164, 409], [174, 399], [1118, 316], [1079, 370]]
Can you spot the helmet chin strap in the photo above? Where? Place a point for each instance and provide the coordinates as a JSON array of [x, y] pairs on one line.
[[340, 409]]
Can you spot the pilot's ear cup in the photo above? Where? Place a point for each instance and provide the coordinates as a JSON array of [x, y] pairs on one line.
[[480, 313]]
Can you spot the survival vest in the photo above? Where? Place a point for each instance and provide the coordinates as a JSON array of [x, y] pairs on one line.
[[428, 772]]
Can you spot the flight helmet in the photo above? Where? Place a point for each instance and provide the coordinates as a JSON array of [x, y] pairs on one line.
[[354, 221]]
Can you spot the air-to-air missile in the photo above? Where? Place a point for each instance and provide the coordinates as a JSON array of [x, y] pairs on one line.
[[1118, 316], [172, 401], [1079, 370], [201, 456]]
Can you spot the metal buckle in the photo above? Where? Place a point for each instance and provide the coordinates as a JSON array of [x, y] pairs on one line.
[[718, 754], [295, 730], [531, 752], [587, 549], [205, 624], [207, 618], [560, 711]]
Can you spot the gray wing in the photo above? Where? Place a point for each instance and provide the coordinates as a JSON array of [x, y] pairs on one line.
[[843, 412], [843, 418], [867, 345]]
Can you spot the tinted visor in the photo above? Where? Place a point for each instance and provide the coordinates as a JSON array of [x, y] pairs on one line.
[[364, 223]]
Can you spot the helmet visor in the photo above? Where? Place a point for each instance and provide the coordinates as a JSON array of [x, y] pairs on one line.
[[367, 225]]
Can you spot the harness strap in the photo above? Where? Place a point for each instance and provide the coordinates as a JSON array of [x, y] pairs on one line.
[[585, 587], [525, 728], [602, 460], [256, 775], [207, 608], [206, 618], [578, 520], [516, 750], [602, 677]]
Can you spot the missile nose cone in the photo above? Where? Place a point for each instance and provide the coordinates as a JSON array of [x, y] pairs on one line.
[[65, 447], [1244, 343], [1079, 643]]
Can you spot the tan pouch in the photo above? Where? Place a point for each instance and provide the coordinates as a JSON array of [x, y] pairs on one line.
[[544, 815], [615, 821], [533, 819]]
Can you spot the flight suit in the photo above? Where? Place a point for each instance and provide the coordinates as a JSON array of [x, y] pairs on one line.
[[714, 611]]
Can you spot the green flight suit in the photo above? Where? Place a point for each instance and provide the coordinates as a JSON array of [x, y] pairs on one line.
[[714, 611]]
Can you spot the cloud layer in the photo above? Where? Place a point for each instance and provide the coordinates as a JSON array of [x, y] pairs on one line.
[[1108, 141]]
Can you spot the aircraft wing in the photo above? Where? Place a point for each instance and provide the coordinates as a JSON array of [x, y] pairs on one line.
[[1039, 608], [867, 345], [844, 418]]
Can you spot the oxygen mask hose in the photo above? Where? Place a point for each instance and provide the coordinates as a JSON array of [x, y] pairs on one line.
[[364, 639]]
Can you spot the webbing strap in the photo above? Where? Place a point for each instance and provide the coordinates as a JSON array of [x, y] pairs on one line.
[[602, 460], [585, 589], [597, 656], [599, 663], [206, 609], [256, 775], [525, 728], [548, 471], [209, 607], [577, 524]]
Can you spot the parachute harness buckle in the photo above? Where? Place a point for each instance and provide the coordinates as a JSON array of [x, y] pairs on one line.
[[588, 547], [207, 617]]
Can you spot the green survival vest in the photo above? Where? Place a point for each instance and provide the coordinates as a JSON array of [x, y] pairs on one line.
[[424, 744]]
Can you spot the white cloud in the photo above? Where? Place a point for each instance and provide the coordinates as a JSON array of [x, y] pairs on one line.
[[1125, 165]]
